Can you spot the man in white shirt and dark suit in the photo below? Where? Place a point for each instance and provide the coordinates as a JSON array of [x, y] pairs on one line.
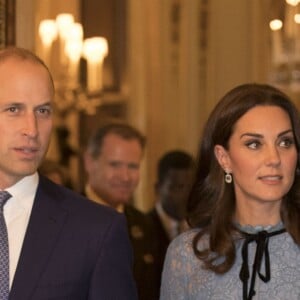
[[112, 162], [61, 246]]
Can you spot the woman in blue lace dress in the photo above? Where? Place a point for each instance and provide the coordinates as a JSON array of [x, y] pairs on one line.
[[244, 209]]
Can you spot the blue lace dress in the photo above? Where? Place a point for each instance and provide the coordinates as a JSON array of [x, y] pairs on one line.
[[184, 278]]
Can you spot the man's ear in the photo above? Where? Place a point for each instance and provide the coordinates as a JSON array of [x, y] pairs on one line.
[[222, 157]]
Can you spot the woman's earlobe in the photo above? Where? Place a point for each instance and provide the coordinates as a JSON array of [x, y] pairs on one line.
[[221, 156]]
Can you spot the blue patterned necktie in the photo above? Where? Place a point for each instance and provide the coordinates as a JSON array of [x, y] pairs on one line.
[[4, 254]]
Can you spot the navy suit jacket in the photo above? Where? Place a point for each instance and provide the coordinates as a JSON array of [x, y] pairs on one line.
[[74, 249], [144, 247]]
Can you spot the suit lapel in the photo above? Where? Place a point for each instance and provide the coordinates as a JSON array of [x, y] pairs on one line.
[[45, 224]]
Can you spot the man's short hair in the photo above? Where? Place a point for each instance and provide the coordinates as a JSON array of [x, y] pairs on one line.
[[121, 129]]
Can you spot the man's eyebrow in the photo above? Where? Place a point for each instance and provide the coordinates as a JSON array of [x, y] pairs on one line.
[[18, 103], [14, 103], [48, 103]]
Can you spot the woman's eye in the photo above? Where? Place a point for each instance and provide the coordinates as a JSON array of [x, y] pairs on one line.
[[253, 144], [286, 143]]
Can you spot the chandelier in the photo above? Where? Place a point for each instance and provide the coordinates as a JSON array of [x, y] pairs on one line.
[[285, 46], [63, 49]]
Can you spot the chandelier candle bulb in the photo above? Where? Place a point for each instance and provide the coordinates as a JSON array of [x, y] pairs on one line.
[[47, 33], [64, 23], [276, 26], [95, 49], [73, 50]]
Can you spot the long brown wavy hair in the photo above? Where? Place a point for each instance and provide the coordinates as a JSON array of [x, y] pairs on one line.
[[211, 204]]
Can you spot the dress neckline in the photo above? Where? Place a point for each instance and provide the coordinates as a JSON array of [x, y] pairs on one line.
[[253, 229]]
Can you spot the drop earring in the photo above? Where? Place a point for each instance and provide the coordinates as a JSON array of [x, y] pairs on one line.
[[228, 177]]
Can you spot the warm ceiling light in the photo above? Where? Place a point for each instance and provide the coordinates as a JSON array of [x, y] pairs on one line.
[[75, 32], [297, 18], [64, 22], [95, 48], [48, 31], [292, 2], [276, 24]]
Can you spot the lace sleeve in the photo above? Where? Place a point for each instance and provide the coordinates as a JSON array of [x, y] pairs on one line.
[[177, 268]]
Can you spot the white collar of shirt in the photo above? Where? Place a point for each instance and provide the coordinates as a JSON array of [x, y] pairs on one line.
[[17, 212], [170, 225], [23, 193]]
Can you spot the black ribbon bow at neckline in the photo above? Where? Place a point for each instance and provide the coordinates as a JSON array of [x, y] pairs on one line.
[[262, 240]]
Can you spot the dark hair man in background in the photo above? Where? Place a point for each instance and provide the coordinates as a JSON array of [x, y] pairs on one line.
[[175, 172]]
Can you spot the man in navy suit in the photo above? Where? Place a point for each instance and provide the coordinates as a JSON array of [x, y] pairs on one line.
[[112, 161], [61, 246]]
